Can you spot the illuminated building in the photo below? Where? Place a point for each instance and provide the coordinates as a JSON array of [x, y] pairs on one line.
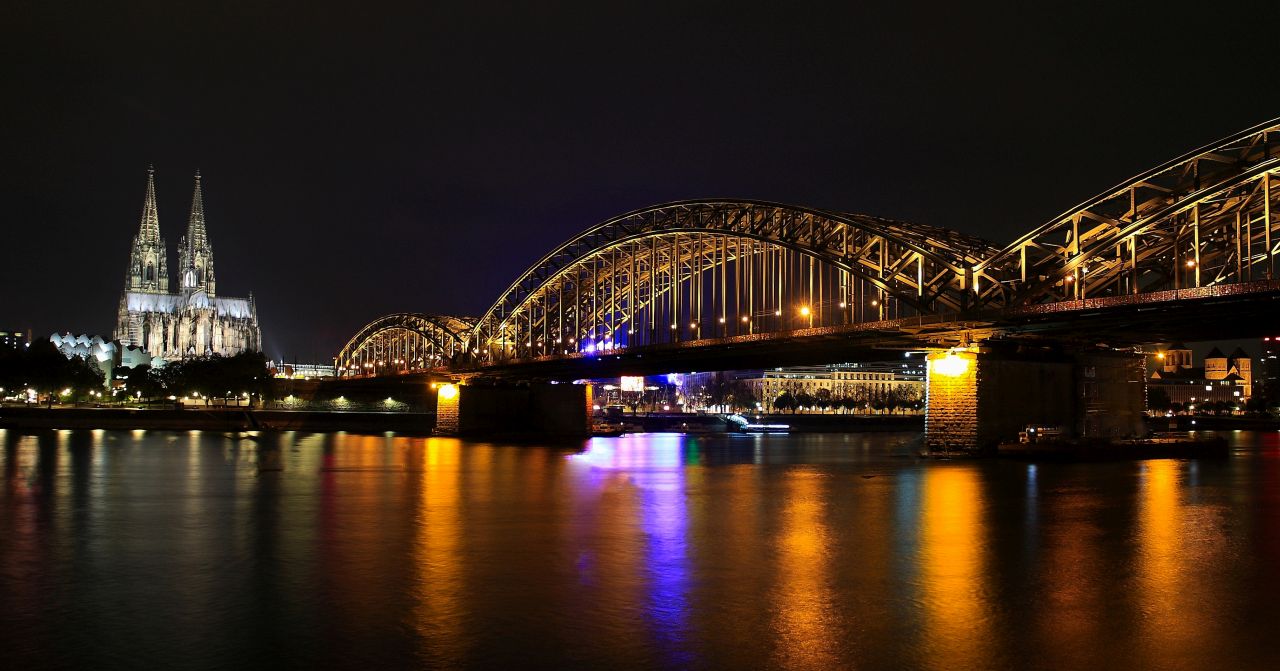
[[194, 320], [867, 382], [1222, 378], [13, 339]]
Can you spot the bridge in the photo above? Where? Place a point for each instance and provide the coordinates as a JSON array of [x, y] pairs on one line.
[[1177, 252]]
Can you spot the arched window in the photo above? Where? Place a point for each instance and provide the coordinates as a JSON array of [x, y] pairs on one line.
[[150, 274]]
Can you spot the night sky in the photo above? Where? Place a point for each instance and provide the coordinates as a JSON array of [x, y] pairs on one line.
[[379, 159]]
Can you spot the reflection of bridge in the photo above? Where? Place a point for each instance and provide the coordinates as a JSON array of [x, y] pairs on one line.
[[717, 284]]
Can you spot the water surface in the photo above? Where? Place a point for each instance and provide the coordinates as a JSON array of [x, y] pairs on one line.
[[206, 550]]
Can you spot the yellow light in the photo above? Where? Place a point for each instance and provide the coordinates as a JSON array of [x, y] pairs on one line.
[[1191, 264], [874, 302], [448, 392], [951, 365], [745, 319], [1160, 355], [804, 311]]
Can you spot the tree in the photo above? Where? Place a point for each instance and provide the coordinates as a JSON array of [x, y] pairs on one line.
[[1157, 399], [743, 395], [785, 401], [804, 400], [822, 398]]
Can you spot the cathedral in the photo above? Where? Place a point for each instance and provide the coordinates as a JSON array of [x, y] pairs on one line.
[[193, 320]]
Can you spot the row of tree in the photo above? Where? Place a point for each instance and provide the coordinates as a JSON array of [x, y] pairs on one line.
[[210, 376], [893, 399], [43, 368]]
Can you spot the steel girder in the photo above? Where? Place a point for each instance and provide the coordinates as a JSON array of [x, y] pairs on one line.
[[636, 259], [1200, 220], [405, 342]]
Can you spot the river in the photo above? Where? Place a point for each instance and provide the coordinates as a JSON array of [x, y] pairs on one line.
[[207, 550]]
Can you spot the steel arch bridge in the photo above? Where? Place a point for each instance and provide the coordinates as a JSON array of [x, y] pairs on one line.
[[404, 342], [700, 271]]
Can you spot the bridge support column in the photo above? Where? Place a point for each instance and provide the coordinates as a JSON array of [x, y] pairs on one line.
[[537, 411], [978, 397]]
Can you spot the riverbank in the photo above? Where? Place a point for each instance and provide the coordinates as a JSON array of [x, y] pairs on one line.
[[214, 419]]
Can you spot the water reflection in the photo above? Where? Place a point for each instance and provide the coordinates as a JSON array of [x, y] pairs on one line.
[[807, 627], [123, 549], [956, 617]]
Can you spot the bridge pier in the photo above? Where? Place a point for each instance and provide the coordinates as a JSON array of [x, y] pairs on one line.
[[977, 397], [535, 411]]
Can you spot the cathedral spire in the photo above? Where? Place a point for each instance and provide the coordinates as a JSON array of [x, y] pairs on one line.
[[197, 237], [149, 228], [147, 270], [195, 253]]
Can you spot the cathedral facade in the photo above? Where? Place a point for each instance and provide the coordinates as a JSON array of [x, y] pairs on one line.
[[191, 320]]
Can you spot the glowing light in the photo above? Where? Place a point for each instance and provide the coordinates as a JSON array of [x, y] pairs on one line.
[[745, 319], [777, 313], [950, 366], [874, 302], [843, 304], [805, 311], [1160, 355], [1191, 263], [448, 392]]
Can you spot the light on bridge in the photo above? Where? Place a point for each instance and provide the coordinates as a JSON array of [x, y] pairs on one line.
[[952, 365], [805, 311], [448, 392]]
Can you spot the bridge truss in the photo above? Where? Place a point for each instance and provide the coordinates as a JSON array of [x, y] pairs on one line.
[[404, 342], [713, 270], [1202, 220]]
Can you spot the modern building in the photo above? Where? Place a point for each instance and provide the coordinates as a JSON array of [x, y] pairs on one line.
[[193, 320], [1222, 378], [1268, 382], [301, 371]]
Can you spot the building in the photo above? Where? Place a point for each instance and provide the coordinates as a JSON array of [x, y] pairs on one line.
[[868, 383], [1268, 381], [14, 339], [1223, 378], [301, 371], [193, 320]]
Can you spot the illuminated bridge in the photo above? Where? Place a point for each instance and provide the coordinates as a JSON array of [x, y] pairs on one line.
[[1182, 250]]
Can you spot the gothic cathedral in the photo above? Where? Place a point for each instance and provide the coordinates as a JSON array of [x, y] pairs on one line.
[[194, 320]]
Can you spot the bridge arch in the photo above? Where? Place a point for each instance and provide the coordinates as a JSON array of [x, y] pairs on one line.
[[1203, 219], [695, 270], [404, 342]]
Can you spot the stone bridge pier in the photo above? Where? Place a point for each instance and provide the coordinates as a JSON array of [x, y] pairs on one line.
[[527, 411], [977, 397]]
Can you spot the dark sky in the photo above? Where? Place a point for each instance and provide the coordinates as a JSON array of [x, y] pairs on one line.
[[377, 159]]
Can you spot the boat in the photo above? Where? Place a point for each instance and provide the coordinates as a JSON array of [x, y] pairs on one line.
[[767, 428], [603, 429]]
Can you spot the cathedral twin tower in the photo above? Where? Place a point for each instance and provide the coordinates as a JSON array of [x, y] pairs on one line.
[[194, 320]]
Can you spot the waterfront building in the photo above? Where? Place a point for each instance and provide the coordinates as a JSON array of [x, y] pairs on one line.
[[193, 320], [301, 371], [1222, 378], [866, 382]]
